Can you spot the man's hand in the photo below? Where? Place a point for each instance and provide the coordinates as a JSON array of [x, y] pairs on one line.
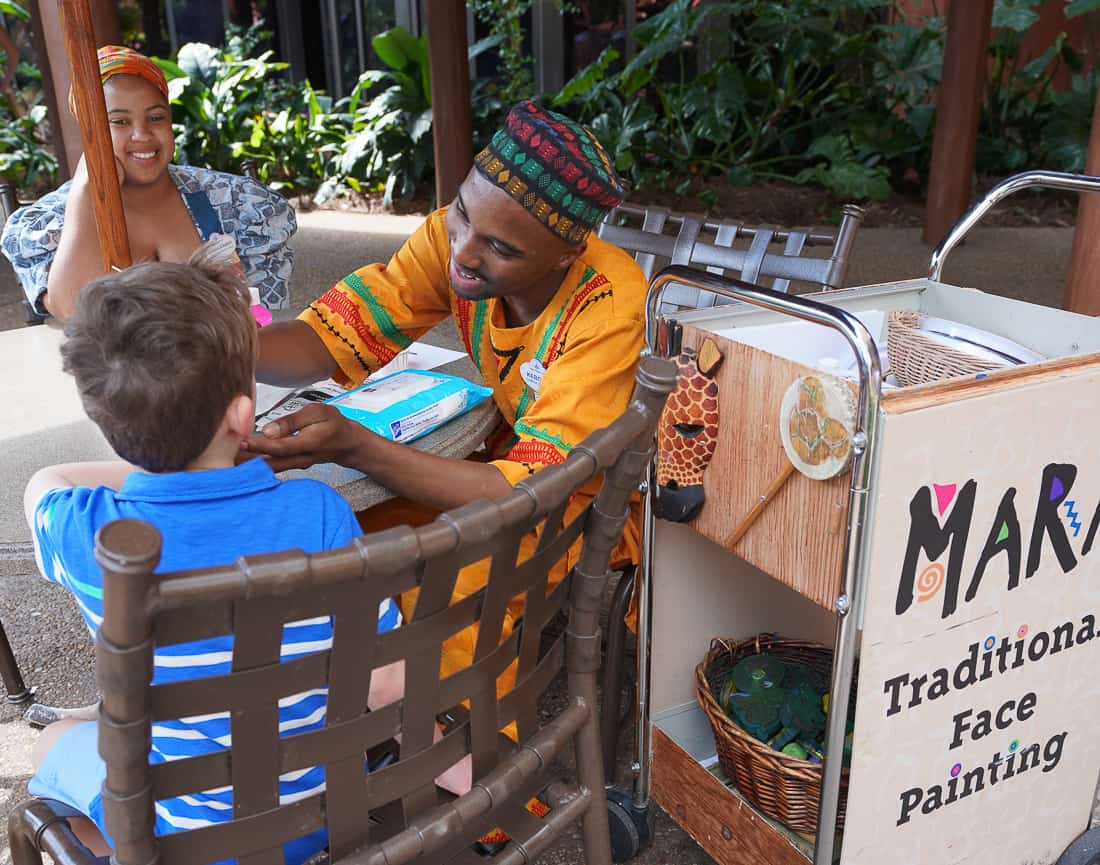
[[317, 433]]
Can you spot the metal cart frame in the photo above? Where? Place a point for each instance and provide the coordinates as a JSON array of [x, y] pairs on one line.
[[662, 339]]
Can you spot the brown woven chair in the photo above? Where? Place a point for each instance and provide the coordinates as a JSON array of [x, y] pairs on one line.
[[658, 237], [396, 814]]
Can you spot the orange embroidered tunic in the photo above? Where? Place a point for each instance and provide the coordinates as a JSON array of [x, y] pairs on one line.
[[564, 375]]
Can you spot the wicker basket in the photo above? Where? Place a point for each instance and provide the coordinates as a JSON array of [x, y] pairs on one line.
[[784, 788], [916, 359]]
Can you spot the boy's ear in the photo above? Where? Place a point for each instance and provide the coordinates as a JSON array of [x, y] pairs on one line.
[[240, 415]]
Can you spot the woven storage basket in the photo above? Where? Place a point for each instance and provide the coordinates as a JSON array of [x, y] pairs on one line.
[[916, 359], [783, 787]]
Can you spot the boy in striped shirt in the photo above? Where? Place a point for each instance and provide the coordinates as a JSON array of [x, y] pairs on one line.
[[164, 356]]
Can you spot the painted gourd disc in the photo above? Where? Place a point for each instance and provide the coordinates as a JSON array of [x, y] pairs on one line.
[[816, 424]]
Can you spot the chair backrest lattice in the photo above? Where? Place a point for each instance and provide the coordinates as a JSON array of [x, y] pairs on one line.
[[8, 202], [658, 237], [395, 814]]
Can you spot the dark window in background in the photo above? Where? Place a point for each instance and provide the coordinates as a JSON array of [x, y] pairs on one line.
[[600, 24], [596, 25], [313, 39], [198, 21]]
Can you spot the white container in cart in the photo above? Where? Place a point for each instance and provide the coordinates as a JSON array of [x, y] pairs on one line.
[[959, 557]]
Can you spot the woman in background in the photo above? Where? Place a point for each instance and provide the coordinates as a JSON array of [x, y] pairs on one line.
[[170, 209]]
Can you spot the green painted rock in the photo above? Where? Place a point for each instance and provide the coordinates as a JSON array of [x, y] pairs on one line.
[[758, 672]]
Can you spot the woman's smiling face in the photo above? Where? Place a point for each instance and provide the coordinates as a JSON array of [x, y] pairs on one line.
[[141, 127]]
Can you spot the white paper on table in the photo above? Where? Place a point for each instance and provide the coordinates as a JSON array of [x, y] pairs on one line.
[[419, 355], [269, 407]]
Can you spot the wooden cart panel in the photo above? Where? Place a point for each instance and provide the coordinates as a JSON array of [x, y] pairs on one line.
[[799, 538]]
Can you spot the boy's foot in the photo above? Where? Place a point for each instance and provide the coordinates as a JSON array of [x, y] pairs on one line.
[[41, 715]]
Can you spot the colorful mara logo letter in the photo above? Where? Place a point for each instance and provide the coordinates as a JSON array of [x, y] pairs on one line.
[[931, 535]]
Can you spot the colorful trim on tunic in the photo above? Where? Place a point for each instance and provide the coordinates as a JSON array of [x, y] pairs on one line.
[[386, 328], [553, 339], [343, 306], [471, 332]]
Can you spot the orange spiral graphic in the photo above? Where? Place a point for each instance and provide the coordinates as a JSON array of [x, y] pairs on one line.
[[930, 582]]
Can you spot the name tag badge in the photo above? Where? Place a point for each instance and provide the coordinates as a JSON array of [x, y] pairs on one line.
[[531, 372]]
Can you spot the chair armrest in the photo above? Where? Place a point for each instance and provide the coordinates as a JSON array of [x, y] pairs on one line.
[[42, 825]]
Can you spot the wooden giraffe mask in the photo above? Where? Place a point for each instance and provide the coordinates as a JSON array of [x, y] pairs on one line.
[[688, 435]]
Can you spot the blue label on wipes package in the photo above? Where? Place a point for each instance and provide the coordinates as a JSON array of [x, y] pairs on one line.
[[407, 405]]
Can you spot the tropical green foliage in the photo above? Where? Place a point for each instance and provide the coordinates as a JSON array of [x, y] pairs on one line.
[[506, 30], [23, 157], [820, 91], [217, 99], [389, 141], [16, 10], [823, 92]]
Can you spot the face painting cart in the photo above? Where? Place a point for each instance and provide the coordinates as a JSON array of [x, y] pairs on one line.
[[951, 549]]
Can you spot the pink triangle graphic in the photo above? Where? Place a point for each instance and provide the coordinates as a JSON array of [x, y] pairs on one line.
[[945, 493]]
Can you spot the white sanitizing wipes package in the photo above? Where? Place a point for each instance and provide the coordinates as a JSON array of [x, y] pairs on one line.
[[410, 404]]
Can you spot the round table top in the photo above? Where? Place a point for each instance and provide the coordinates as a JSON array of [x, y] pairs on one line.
[[44, 424]]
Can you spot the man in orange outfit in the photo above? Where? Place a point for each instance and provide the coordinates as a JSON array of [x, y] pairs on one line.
[[552, 316]]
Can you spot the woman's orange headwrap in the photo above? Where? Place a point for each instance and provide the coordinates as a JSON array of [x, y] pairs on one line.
[[118, 60]]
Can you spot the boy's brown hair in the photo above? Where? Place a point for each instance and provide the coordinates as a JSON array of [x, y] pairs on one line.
[[159, 351]]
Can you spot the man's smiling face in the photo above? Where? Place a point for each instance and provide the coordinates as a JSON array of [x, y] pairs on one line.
[[498, 249]]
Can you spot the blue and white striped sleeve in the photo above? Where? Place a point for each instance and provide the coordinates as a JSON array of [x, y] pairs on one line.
[[64, 535], [389, 615]]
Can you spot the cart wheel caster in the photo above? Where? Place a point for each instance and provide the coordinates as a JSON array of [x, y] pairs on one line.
[[631, 827], [1085, 850]]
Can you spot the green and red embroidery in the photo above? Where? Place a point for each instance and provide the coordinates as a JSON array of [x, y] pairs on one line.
[[471, 331], [524, 428], [553, 339], [386, 327], [343, 306], [575, 305], [534, 453]]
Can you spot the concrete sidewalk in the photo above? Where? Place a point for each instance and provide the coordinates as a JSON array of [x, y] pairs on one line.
[[1025, 263], [53, 646]]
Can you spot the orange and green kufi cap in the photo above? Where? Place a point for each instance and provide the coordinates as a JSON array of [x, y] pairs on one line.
[[119, 60], [555, 168]]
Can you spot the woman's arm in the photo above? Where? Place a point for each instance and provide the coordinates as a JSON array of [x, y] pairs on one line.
[[292, 354], [78, 259]]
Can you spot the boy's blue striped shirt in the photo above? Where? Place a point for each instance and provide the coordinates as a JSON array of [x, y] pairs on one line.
[[207, 518]]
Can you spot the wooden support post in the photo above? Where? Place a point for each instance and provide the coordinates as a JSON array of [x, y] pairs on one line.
[[452, 125], [958, 108], [99, 156], [1083, 283], [47, 13]]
